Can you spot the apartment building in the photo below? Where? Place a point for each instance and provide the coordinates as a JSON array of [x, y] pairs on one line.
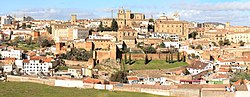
[[36, 65]]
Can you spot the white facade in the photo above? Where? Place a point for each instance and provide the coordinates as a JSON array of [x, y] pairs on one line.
[[11, 54], [164, 36], [195, 71], [106, 36], [174, 44], [6, 20], [19, 63], [36, 67], [7, 68], [22, 31], [93, 24], [237, 37]]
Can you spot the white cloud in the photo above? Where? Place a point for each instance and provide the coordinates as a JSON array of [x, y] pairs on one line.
[[224, 6], [53, 13]]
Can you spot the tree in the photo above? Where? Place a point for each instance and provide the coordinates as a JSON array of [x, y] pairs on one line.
[[192, 35], [214, 44], [199, 47], [184, 58], [151, 20], [151, 28], [28, 26], [172, 57], [178, 56], [167, 58], [191, 46], [227, 42], [221, 43], [186, 72], [119, 76], [23, 25], [100, 28], [125, 58], [146, 59], [77, 55], [239, 76], [49, 29], [129, 58], [114, 25], [162, 45], [242, 43], [150, 49]]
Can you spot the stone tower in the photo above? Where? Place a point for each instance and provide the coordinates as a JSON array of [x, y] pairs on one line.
[[73, 19], [227, 24]]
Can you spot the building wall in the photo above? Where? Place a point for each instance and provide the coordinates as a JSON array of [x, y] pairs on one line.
[[11, 54], [35, 67], [173, 27], [86, 45], [153, 56], [237, 37]]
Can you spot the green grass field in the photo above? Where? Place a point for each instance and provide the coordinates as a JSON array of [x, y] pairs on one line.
[[18, 89], [154, 64]]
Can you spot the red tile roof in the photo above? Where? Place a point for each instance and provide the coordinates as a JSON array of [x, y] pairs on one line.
[[133, 78], [9, 58], [91, 80], [198, 65], [26, 61]]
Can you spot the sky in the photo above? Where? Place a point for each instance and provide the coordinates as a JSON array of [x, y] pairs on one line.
[[235, 11]]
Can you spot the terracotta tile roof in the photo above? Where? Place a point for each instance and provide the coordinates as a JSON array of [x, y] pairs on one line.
[[37, 58], [9, 58], [48, 59], [91, 80], [220, 76], [133, 78], [223, 70], [203, 86], [198, 65], [26, 61]]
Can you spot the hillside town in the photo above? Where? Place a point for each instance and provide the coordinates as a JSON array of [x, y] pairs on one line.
[[128, 52]]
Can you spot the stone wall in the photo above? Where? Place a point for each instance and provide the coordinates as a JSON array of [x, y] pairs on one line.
[[75, 63], [219, 92], [50, 82], [185, 92], [153, 56]]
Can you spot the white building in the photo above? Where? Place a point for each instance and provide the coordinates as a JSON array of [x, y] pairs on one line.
[[164, 36], [7, 68], [239, 36], [11, 54], [106, 36], [36, 66], [172, 44], [6, 20], [93, 24], [22, 31], [197, 67]]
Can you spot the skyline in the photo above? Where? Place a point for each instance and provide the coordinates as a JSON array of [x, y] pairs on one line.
[[235, 11]]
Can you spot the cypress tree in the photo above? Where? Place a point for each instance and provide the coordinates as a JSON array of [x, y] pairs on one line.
[[125, 58], [114, 25], [129, 60], [146, 59]]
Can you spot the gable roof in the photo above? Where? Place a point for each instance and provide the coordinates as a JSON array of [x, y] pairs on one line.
[[198, 65]]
